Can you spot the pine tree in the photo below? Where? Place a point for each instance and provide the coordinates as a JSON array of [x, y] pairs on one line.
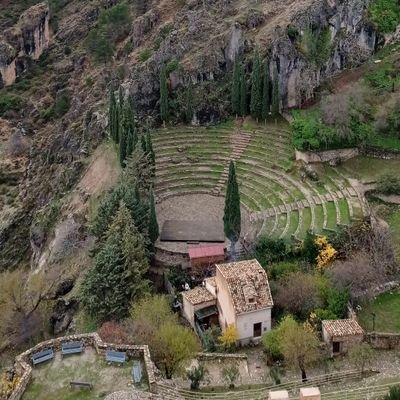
[[163, 94], [235, 94], [232, 222], [265, 92], [243, 92], [255, 101], [118, 275], [275, 94], [111, 114], [189, 103], [153, 224]]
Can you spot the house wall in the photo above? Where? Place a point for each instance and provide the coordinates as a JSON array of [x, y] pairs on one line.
[[205, 261], [211, 289], [189, 309], [226, 311], [246, 321]]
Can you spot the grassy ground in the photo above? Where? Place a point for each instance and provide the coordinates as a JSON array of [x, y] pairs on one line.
[[369, 169], [387, 309], [51, 381]]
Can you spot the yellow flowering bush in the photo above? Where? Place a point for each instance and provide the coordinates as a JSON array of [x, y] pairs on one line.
[[326, 252]]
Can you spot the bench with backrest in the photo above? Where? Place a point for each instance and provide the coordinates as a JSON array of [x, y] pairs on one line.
[[71, 348], [83, 385], [116, 356], [137, 372], [42, 356]]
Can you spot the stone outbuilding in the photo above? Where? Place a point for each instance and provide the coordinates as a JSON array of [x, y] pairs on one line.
[[341, 334], [278, 395]]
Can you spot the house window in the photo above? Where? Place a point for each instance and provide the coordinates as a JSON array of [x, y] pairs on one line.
[[336, 347], [257, 329]]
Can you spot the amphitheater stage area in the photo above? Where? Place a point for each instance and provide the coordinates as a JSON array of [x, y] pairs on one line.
[[192, 231]]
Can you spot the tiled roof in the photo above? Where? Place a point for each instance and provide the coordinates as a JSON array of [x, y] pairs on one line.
[[248, 285], [342, 327], [205, 251], [198, 295]]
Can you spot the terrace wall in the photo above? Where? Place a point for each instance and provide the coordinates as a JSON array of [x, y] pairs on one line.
[[384, 341], [24, 369]]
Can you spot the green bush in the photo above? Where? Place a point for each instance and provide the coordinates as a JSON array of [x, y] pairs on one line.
[[144, 55], [278, 270], [385, 14], [99, 45], [172, 65], [306, 128], [315, 45], [115, 21], [394, 393], [384, 79], [388, 184], [10, 102], [268, 250], [61, 105]]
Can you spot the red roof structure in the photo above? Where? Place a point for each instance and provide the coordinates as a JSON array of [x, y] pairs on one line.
[[205, 251]]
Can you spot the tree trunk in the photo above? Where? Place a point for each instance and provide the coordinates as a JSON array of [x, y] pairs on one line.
[[303, 375]]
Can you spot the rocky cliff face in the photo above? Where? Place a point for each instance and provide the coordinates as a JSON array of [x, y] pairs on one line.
[[26, 41], [279, 32], [352, 40]]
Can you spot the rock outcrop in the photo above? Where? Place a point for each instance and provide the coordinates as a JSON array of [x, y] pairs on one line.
[[26, 41]]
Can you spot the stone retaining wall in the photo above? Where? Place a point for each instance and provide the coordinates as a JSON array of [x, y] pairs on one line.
[[376, 152], [219, 356], [326, 156], [24, 369], [384, 341]]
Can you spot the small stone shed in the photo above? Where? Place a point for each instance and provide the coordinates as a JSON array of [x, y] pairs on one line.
[[311, 393], [341, 334], [204, 256]]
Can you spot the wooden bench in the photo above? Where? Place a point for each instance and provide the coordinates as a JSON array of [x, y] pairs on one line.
[[137, 372], [118, 357], [42, 356], [71, 348], [83, 385]]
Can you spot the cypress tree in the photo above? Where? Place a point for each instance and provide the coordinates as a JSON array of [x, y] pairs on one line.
[[130, 127], [232, 224], [123, 144], [119, 115], [255, 102], [150, 151], [189, 103], [275, 94], [235, 94], [111, 115], [143, 143], [265, 91], [153, 224], [243, 92], [163, 94]]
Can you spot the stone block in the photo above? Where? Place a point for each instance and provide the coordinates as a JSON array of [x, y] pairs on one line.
[[311, 393], [278, 395]]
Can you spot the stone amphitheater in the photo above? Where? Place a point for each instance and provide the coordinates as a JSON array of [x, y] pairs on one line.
[[279, 201]]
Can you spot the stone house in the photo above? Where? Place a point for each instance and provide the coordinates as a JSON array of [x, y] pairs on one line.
[[341, 334], [238, 294]]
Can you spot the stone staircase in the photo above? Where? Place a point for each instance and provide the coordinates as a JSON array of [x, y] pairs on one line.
[[238, 142]]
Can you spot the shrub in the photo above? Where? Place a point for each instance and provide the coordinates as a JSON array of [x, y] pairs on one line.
[[394, 393], [115, 21], [61, 105], [229, 337], [10, 102], [383, 78], [144, 55], [196, 375], [268, 250], [113, 332], [230, 374], [172, 65], [211, 336], [306, 129], [279, 270], [99, 45], [385, 14], [316, 45], [388, 184]]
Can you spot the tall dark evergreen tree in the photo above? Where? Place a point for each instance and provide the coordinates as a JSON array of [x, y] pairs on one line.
[[243, 92], [119, 115], [118, 276], [153, 224], [265, 91], [256, 101], [189, 103], [150, 151], [143, 143], [232, 218], [275, 94], [164, 109], [130, 126], [112, 114], [141, 6], [123, 144], [235, 94]]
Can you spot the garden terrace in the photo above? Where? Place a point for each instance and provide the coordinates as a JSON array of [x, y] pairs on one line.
[[280, 201]]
